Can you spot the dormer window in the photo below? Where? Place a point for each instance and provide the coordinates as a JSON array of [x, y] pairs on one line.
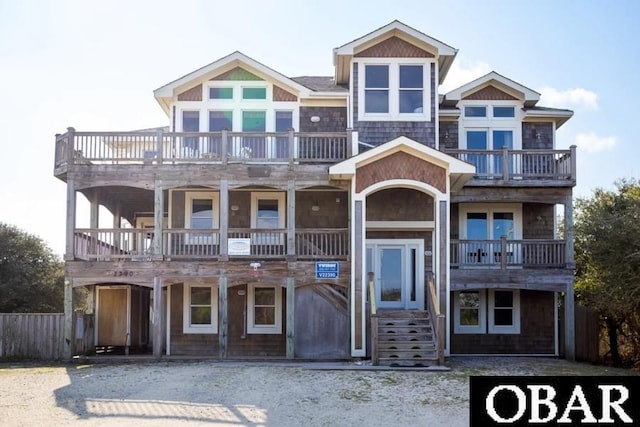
[[395, 91]]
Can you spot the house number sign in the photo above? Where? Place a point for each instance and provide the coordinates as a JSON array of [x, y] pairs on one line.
[[120, 273]]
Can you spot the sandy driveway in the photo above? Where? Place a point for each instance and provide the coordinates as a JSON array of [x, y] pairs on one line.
[[239, 394]]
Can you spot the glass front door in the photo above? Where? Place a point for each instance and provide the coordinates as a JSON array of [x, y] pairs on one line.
[[398, 273]]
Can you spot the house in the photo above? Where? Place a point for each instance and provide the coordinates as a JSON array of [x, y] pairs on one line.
[[359, 215]]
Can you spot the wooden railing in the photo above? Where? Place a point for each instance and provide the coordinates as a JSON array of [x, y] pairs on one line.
[[552, 165], [437, 318], [505, 253], [137, 244], [323, 243], [159, 147]]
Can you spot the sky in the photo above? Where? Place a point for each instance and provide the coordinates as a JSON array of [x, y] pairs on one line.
[[94, 66]]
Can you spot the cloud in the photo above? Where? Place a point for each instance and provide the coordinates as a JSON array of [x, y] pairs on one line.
[[577, 97], [592, 143], [462, 72]]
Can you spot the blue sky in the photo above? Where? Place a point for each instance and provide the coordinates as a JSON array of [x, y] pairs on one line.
[[94, 66]]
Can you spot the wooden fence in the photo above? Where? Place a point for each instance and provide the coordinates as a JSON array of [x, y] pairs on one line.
[[31, 336]]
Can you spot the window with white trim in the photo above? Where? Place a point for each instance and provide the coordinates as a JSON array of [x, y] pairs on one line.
[[201, 212], [394, 90], [473, 310], [264, 315], [469, 312], [504, 311], [268, 215], [200, 309]]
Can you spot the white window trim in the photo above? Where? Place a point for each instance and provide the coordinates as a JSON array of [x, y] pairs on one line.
[[481, 327], [513, 329], [215, 203], [394, 90], [270, 195], [187, 327], [489, 209], [274, 329], [490, 123]]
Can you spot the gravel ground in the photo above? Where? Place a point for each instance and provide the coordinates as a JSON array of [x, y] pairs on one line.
[[253, 394]]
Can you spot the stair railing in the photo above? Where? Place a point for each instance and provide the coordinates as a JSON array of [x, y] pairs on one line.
[[437, 319]]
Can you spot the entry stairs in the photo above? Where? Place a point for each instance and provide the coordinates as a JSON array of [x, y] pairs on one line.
[[404, 338]]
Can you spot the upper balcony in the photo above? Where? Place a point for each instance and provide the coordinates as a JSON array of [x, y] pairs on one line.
[[520, 168], [171, 148]]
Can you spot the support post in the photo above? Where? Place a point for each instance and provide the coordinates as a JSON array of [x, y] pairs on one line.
[[117, 218], [69, 336], [223, 231], [291, 309], [159, 146], [71, 220], [505, 163], [223, 324], [292, 146], [569, 302], [291, 220], [157, 317], [443, 269], [503, 252], [357, 303], [224, 145], [574, 163], [158, 219], [94, 222]]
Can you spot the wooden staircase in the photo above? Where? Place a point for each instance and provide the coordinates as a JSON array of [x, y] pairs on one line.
[[403, 339]]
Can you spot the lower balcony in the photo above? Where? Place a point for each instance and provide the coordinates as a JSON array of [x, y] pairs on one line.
[[139, 244], [503, 254]]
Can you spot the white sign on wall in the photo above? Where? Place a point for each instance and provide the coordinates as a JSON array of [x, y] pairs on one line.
[[239, 246]]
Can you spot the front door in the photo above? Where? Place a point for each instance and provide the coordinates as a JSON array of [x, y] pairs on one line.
[[398, 272]]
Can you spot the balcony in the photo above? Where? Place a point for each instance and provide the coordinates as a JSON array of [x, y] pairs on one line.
[[159, 147], [520, 168], [503, 254], [137, 244]]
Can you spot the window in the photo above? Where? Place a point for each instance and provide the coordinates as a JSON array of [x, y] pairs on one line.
[[220, 120], [201, 213], [254, 93], [504, 112], [504, 311], [471, 307], [475, 111], [376, 98], [200, 309], [220, 93], [394, 91], [469, 312], [265, 309], [190, 123], [267, 214]]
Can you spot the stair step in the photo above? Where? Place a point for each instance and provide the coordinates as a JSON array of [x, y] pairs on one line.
[[404, 322], [403, 314], [410, 346], [406, 337], [423, 362], [404, 329]]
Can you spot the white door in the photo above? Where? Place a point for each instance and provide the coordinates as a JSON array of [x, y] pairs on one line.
[[398, 272]]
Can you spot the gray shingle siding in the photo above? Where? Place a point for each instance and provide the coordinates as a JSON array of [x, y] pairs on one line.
[[332, 119], [379, 132], [536, 136]]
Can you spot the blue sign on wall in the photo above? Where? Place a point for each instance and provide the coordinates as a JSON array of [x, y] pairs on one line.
[[327, 270]]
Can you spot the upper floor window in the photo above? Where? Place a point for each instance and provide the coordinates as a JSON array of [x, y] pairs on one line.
[[475, 111], [394, 91], [220, 93], [254, 93], [504, 112]]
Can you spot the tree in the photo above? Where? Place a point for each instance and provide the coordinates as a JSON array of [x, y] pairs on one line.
[[31, 275], [607, 243]]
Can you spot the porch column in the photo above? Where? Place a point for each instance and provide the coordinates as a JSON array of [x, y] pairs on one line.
[[158, 216], [443, 244], [71, 220], [223, 230], [157, 317], [357, 328], [68, 347], [291, 298], [94, 222], [291, 220], [117, 218], [223, 324], [569, 301]]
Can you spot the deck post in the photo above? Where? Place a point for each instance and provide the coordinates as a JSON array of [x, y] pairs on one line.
[[291, 220], [159, 147], [569, 302], [224, 220], [158, 216], [291, 299], [68, 347], [224, 145], [574, 163], [157, 317], [292, 146], [505, 163], [94, 222], [71, 220], [223, 324]]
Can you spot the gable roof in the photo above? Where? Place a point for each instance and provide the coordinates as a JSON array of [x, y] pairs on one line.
[[165, 93], [342, 55], [528, 96], [460, 172]]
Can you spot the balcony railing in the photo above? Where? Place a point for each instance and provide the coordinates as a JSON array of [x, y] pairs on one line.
[[182, 243], [551, 165], [508, 253], [151, 147]]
